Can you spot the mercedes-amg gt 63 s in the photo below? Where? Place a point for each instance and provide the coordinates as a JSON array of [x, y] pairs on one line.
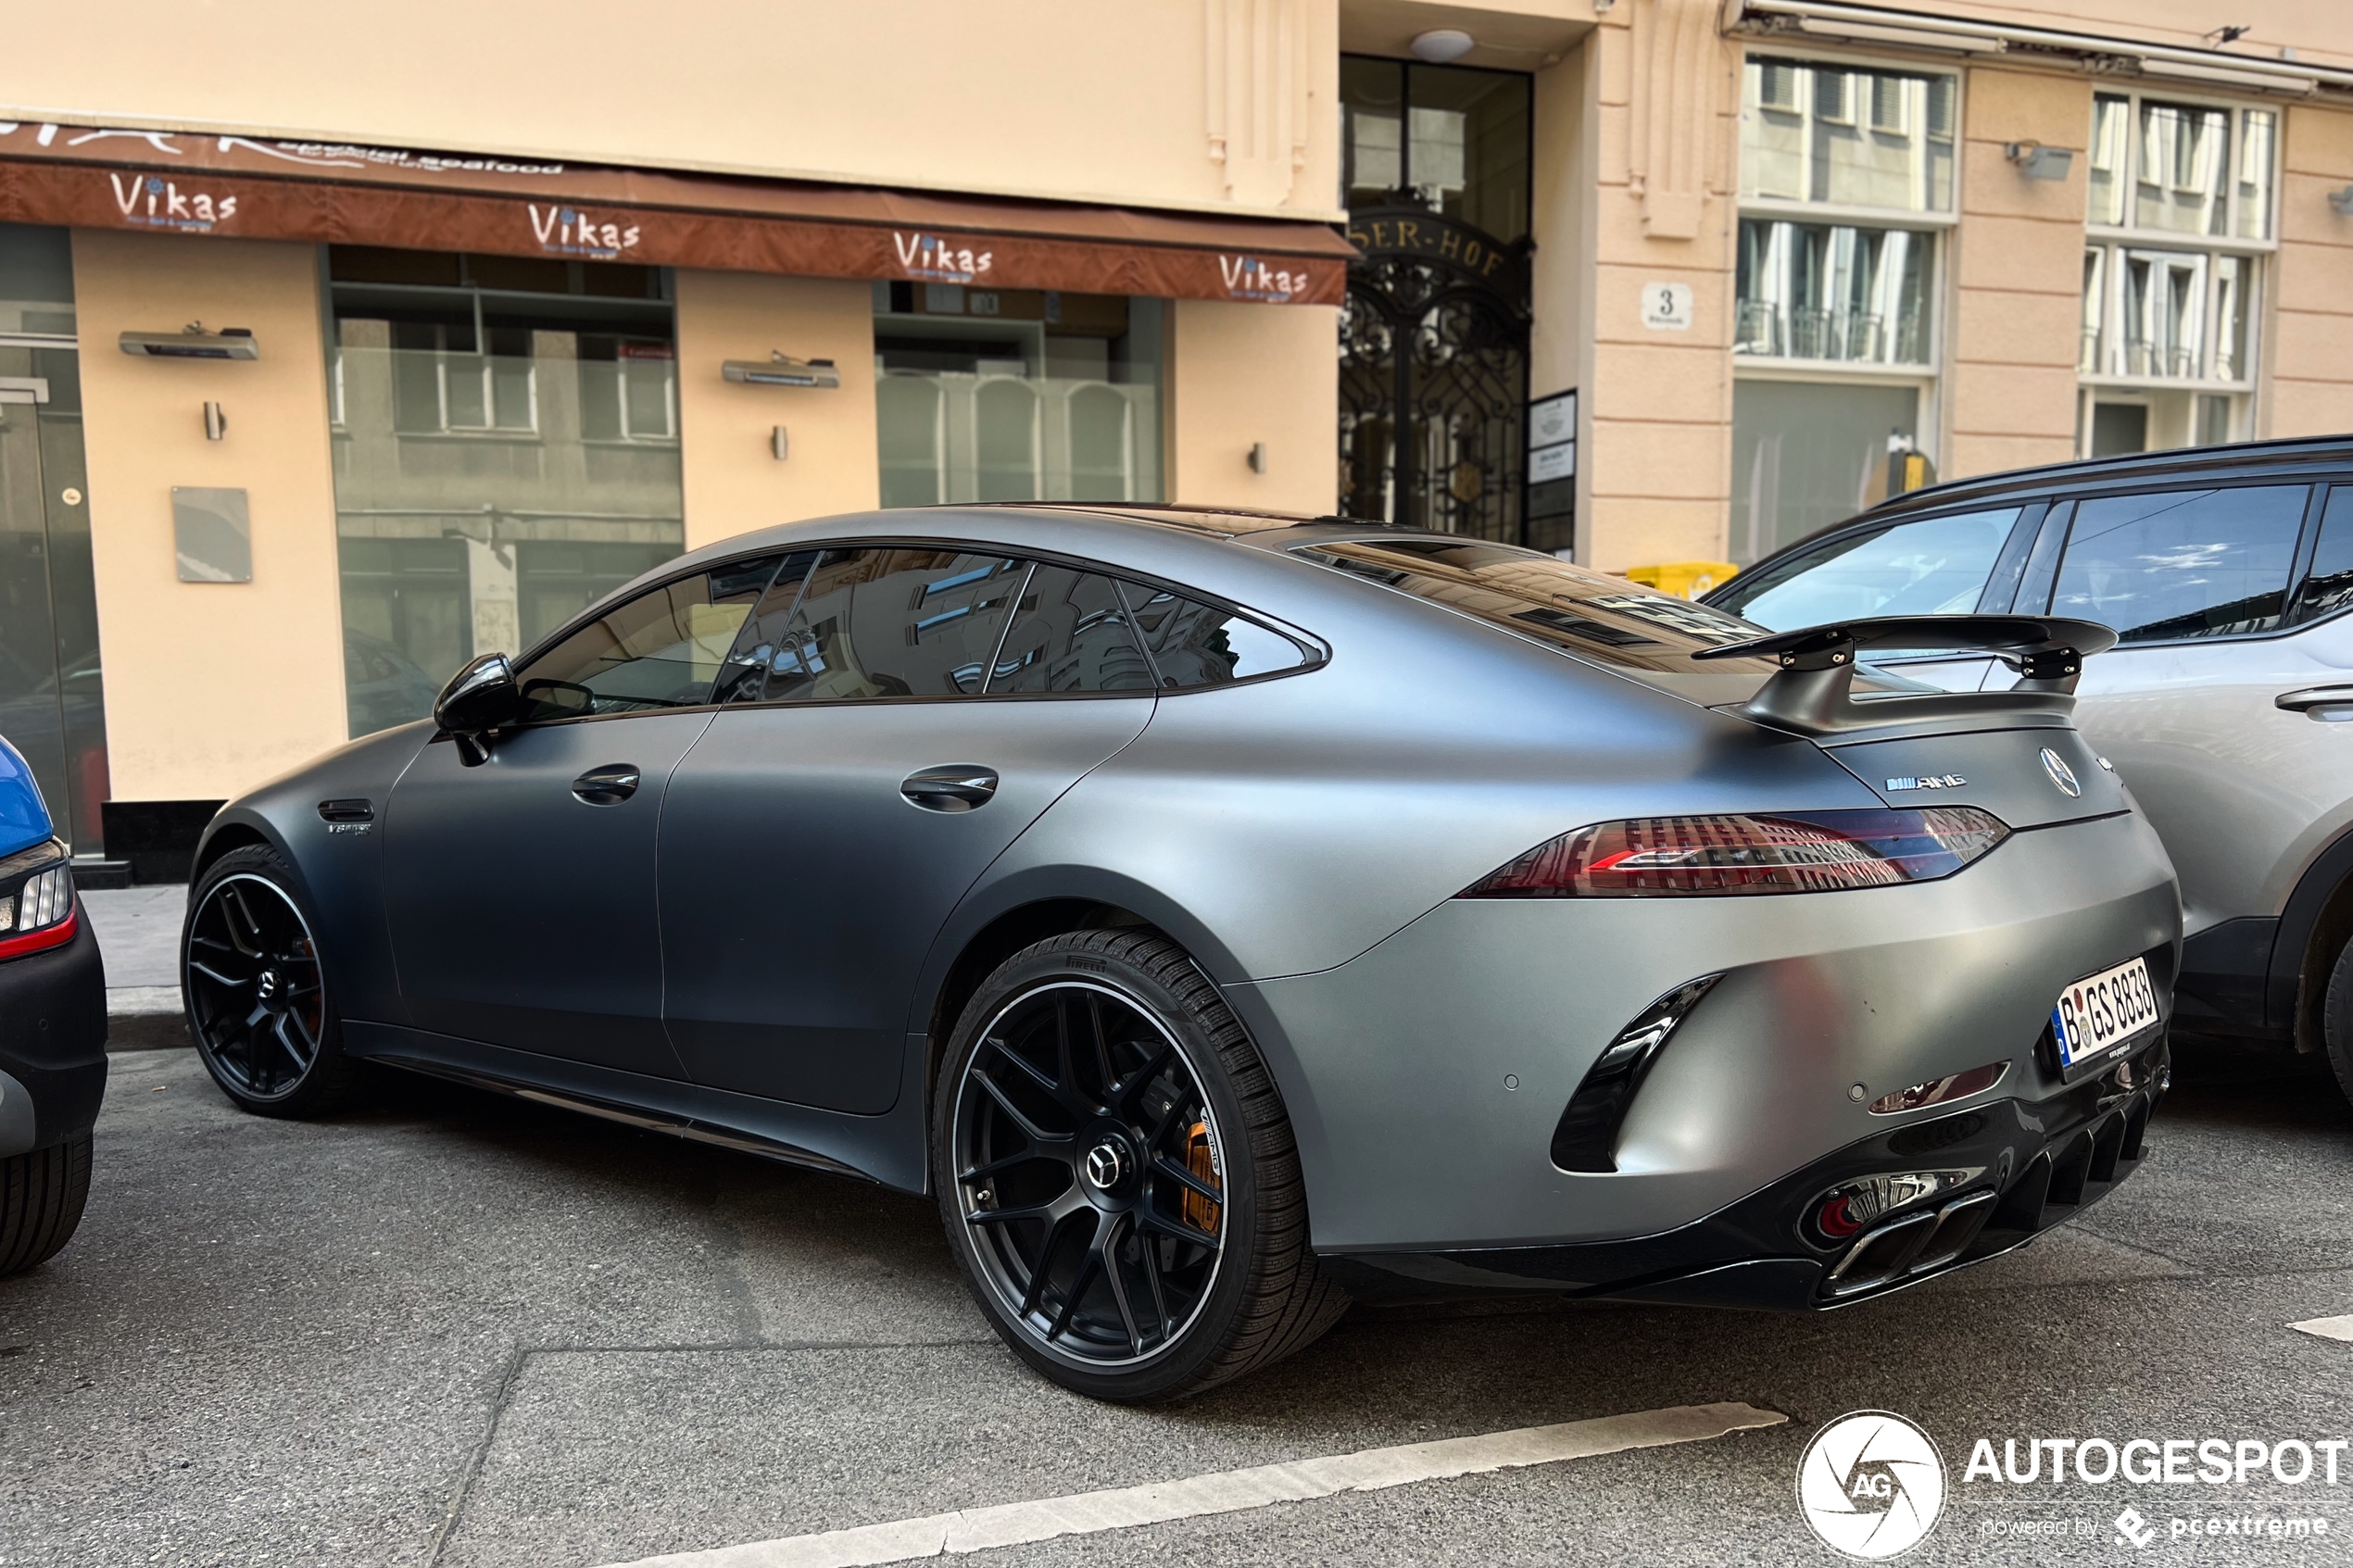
[[1223, 915]]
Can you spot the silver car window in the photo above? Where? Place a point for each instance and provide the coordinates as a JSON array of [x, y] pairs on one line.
[[1197, 644], [2328, 586], [1071, 633], [663, 649], [882, 622], [2182, 563], [1934, 566]]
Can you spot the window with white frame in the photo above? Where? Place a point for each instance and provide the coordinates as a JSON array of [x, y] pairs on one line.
[[1847, 189], [2180, 219], [447, 381], [628, 389]]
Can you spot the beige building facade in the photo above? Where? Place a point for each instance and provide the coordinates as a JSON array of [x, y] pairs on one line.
[[1639, 281]]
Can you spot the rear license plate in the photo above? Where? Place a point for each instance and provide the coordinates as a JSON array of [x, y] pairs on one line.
[[2103, 1010]]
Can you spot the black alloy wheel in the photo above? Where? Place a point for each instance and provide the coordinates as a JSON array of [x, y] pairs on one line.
[[256, 989], [1134, 1226], [1087, 1157]]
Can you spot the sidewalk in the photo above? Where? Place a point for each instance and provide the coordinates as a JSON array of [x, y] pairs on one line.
[[138, 930]]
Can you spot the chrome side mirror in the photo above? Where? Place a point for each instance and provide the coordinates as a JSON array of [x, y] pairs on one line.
[[478, 699]]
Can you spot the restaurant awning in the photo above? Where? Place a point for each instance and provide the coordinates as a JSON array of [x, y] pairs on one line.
[[164, 182]]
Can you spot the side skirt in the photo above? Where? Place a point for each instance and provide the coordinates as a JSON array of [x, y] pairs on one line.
[[886, 1149]]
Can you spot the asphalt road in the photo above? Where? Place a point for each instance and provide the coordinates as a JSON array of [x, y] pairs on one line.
[[459, 1329]]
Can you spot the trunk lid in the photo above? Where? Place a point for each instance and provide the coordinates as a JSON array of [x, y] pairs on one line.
[[2020, 774]]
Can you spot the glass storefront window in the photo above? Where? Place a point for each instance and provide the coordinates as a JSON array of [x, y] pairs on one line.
[[1816, 132], [1016, 394], [1805, 454], [1850, 300], [1819, 290], [1453, 139], [52, 691], [505, 451]]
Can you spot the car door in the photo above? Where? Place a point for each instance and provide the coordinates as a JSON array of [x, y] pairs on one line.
[[1947, 565], [520, 890], [2198, 584], [822, 831]]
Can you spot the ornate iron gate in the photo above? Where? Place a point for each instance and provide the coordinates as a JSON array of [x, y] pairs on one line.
[[1433, 384]]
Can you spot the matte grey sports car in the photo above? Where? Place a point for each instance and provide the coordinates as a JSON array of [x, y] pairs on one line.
[[1225, 914]]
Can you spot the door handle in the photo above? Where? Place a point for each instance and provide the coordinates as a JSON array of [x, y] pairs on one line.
[[952, 787], [608, 785], [2325, 703]]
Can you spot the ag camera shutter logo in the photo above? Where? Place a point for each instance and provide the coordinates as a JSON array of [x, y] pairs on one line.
[[1871, 1485]]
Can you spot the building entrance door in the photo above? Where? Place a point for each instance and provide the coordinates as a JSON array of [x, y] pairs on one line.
[[1433, 379], [52, 700]]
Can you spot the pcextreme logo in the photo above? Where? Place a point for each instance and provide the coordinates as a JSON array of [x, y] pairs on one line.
[[1870, 1485]]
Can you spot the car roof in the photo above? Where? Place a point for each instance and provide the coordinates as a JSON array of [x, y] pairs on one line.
[[2236, 460], [1229, 522], [2294, 457]]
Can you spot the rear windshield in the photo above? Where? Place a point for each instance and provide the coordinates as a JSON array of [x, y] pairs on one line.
[[1601, 618]]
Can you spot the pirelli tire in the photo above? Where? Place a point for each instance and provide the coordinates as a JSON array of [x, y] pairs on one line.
[[1118, 1175]]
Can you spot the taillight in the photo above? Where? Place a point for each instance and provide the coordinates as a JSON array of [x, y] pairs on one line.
[[1788, 852], [37, 911]]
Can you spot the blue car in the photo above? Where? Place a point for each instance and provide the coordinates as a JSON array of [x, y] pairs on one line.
[[52, 1029]]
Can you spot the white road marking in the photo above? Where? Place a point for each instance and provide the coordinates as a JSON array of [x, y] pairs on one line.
[[978, 1529], [2328, 1328]]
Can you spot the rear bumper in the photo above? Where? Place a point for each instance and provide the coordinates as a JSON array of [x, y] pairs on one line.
[[53, 1044], [1425, 1078], [2040, 1163]]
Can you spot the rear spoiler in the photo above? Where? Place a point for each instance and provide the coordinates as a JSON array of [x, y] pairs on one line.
[[1813, 690]]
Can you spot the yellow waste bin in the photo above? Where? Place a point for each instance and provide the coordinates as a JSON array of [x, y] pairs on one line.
[[1684, 579]]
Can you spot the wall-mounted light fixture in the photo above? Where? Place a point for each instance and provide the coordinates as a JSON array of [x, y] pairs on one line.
[[782, 370], [216, 424], [2039, 162], [193, 342], [1258, 456], [1442, 46], [2343, 201]]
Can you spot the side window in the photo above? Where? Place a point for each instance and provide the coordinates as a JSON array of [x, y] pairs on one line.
[[663, 649], [883, 623], [1070, 633], [1935, 566], [2328, 588], [742, 677], [1197, 644], [2182, 563]]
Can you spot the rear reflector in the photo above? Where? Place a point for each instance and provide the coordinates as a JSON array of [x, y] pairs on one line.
[[1792, 852]]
